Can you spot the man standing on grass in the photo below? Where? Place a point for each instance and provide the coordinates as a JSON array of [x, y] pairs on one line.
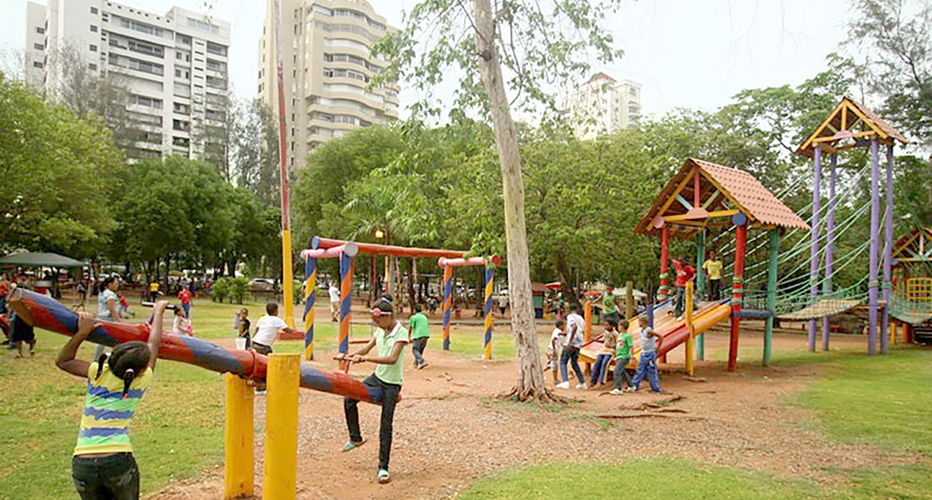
[[420, 333], [185, 297], [334, 301]]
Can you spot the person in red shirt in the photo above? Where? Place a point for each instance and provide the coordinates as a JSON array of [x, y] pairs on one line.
[[185, 297], [684, 274]]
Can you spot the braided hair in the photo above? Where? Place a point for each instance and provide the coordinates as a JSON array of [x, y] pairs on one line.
[[126, 361]]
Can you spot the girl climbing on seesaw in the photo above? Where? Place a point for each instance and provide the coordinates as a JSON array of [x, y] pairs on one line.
[[103, 466], [389, 340]]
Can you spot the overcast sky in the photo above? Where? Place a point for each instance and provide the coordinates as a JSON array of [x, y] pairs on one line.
[[685, 53]]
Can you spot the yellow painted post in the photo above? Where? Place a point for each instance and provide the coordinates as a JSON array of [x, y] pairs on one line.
[[281, 427], [892, 332], [691, 340], [287, 278], [238, 439]]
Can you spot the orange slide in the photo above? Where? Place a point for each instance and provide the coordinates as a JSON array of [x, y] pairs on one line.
[[673, 330]]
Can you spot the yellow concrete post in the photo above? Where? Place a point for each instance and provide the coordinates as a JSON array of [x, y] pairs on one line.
[[238, 439], [691, 340], [281, 427]]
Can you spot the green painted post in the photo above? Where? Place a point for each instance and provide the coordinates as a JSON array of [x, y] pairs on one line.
[[700, 282], [771, 293]]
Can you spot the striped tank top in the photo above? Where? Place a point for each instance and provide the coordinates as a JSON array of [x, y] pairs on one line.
[[107, 413]]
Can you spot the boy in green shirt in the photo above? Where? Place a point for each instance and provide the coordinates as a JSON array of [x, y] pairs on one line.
[[389, 340], [420, 333], [610, 304], [622, 356]]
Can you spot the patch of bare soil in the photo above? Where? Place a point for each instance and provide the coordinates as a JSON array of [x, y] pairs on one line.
[[448, 431]]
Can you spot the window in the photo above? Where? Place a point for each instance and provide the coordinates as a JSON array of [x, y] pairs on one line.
[[181, 141], [92, 67], [216, 48], [184, 39], [93, 10], [141, 27], [93, 28], [147, 101], [216, 83], [93, 48], [37, 64], [220, 66], [40, 30], [203, 26], [180, 125], [38, 46]]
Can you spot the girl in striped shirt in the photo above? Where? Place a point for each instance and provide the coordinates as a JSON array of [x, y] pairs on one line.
[[103, 465]]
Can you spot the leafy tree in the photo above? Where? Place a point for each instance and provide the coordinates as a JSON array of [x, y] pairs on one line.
[[58, 172], [254, 160], [539, 42], [895, 37]]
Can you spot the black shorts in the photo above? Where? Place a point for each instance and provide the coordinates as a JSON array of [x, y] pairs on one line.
[[262, 348], [22, 331]]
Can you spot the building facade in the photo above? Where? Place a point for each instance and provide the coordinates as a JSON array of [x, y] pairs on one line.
[[175, 66], [327, 68], [603, 106]]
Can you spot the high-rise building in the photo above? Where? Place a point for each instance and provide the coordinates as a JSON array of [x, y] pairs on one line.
[[603, 106], [175, 66], [327, 67]]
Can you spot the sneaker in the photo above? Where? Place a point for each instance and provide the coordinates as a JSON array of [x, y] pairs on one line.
[[563, 385], [350, 445], [582, 386], [630, 388], [616, 392], [383, 476], [424, 365]]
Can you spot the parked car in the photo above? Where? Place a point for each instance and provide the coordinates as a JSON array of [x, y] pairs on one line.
[[262, 284]]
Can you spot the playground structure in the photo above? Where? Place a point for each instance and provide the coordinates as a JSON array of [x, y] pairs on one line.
[[719, 198], [911, 300], [850, 125], [346, 251]]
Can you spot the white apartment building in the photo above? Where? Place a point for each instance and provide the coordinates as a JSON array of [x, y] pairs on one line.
[[327, 67], [175, 65], [603, 106]]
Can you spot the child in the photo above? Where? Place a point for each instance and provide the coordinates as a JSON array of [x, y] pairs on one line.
[[181, 325], [22, 332], [103, 465], [389, 340], [684, 274], [124, 311], [713, 265], [553, 350], [267, 328], [573, 341], [420, 334], [605, 356], [610, 303], [647, 364], [622, 357], [244, 327]]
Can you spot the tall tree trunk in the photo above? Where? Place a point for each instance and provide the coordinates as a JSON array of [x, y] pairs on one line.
[[566, 279], [530, 383]]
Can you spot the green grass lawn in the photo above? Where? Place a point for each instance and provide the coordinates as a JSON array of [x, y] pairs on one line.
[[885, 401], [178, 430]]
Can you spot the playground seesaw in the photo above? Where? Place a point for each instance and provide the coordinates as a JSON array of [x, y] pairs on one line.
[[46, 313]]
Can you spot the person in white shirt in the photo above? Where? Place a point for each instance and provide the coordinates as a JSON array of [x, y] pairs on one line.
[[575, 328], [334, 302], [267, 328], [553, 350]]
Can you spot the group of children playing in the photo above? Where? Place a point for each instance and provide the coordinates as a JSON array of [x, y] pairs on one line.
[[617, 345]]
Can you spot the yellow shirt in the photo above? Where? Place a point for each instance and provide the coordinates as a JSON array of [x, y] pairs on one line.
[[107, 413], [714, 268], [153, 287]]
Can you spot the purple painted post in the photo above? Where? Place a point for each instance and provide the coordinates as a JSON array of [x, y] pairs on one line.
[[875, 227], [814, 254], [829, 248], [887, 254]]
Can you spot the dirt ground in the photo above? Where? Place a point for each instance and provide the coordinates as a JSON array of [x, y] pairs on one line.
[[448, 431]]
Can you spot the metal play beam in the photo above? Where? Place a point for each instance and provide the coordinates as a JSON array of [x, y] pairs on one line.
[[49, 314]]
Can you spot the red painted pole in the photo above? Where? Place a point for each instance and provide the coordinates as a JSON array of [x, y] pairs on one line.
[[377, 249], [737, 295]]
